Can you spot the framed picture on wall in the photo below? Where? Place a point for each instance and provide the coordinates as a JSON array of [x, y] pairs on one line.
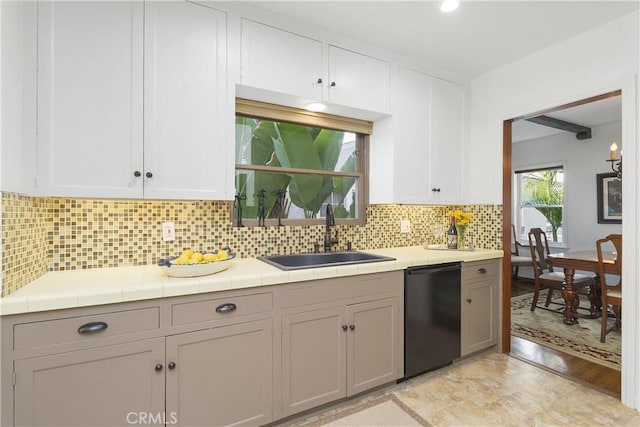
[[609, 190]]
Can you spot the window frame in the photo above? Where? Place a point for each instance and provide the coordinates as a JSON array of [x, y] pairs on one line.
[[278, 113], [517, 205]]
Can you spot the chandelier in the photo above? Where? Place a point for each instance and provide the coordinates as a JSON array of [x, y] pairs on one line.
[[616, 164]]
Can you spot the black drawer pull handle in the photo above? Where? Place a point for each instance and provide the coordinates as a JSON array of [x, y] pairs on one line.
[[92, 327], [482, 271], [226, 308]]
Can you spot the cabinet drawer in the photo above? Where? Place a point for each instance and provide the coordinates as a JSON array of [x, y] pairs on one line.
[[479, 269], [83, 328], [220, 308]]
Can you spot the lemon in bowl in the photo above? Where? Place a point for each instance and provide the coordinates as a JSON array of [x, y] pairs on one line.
[[191, 263]]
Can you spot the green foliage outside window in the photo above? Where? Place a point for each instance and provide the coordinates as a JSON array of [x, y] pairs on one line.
[[273, 156]]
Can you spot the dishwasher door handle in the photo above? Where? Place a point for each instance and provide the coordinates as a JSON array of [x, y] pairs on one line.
[[417, 271]]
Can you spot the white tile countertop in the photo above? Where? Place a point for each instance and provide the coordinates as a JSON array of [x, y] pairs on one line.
[[81, 288]]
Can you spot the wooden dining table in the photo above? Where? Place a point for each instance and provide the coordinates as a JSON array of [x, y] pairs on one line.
[[585, 261]]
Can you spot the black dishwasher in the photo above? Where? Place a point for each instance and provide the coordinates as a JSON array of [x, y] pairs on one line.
[[431, 317]]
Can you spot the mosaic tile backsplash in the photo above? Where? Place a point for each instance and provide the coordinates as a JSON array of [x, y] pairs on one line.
[[52, 234]]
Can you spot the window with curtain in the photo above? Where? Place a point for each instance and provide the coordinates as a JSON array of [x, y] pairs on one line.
[[539, 203]]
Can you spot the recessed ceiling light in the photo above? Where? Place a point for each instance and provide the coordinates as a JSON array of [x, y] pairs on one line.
[[449, 5], [315, 106]]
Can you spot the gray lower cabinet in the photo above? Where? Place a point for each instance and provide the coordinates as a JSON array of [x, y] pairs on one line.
[[331, 353], [106, 386], [337, 341], [174, 361], [246, 357], [479, 314], [221, 376]]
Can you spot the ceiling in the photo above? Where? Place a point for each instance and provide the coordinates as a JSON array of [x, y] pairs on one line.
[[598, 113], [475, 39]]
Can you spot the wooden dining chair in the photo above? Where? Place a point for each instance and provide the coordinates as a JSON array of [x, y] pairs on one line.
[[611, 294], [544, 276], [520, 255]]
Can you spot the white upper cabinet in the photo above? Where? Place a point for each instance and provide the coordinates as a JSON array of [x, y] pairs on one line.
[[411, 138], [428, 139], [98, 135], [280, 61], [185, 97], [447, 140], [90, 98], [358, 81], [296, 65]]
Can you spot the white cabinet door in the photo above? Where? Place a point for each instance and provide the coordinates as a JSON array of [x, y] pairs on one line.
[[412, 126], [281, 61], [357, 80], [185, 149], [90, 98], [447, 139], [428, 139]]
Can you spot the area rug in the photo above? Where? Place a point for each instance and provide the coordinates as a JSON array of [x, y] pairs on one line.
[[547, 328], [386, 410]]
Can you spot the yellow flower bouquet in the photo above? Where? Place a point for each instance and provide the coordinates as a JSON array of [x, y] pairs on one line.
[[462, 220]]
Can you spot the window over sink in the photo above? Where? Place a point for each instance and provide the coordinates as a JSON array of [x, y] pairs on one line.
[[291, 163]]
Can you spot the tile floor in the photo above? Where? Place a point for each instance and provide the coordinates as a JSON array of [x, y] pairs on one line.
[[495, 389]]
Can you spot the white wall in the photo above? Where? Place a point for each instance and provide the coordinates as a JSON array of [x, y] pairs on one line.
[[582, 160], [598, 61]]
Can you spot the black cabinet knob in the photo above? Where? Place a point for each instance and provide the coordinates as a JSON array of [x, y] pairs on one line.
[[469, 300], [344, 327], [333, 84], [148, 175], [137, 174], [158, 367], [437, 190], [352, 327], [171, 365], [319, 81], [482, 271]]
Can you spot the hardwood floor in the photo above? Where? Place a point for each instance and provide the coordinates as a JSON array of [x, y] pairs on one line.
[[596, 376], [599, 377]]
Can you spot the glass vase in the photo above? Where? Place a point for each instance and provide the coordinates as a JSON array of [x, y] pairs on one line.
[[462, 236]]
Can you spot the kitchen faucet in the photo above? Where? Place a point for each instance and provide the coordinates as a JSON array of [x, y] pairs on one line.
[[330, 221]]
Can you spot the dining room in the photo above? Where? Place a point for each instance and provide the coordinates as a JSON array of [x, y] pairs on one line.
[[565, 183]]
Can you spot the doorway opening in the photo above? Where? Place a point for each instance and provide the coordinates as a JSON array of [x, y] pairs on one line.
[[538, 149]]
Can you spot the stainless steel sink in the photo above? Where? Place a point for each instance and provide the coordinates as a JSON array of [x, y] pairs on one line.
[[324, 259]]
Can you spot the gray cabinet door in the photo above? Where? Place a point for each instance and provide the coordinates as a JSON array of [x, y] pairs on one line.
[[105, 386], [313, 358], [372, 343], [221, 376], [479, 316]]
